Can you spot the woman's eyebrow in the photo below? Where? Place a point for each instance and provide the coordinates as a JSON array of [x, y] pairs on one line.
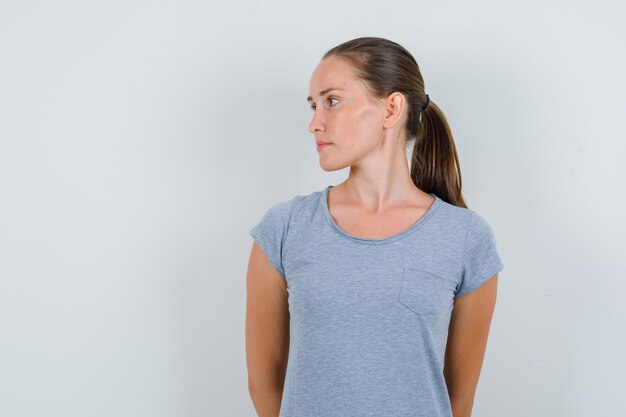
[[309, 98]]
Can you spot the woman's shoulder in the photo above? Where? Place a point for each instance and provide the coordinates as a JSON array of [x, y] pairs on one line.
[[450, 212], [286, 207], [462, 218]]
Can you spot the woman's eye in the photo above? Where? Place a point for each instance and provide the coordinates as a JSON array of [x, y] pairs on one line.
[[329, 99]]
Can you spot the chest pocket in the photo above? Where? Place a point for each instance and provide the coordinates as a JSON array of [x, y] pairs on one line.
[[422, 292]]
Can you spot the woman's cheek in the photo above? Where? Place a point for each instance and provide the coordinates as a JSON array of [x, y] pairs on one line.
[[368, 117]]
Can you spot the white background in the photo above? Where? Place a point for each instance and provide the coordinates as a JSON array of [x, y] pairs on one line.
[[140, 141]]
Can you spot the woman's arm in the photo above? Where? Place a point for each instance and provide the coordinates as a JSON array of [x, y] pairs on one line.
[[267, 333], [467, 341]]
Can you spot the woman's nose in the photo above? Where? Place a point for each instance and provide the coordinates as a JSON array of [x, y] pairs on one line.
[[316, 123]]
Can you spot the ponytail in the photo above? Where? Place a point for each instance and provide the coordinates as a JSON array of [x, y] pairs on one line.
[[434, 162]]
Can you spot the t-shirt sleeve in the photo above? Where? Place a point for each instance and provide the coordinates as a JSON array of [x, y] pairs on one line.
[[480, 259], [271, 231]]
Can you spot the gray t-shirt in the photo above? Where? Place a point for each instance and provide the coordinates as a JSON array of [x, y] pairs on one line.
[[369, 317]]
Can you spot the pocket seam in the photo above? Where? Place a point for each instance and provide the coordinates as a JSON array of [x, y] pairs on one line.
[[420, 299]]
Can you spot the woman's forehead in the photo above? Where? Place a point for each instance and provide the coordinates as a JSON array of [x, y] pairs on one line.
[[331, 75]]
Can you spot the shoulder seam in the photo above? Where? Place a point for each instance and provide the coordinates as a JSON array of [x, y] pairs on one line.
[[469, 217], [292, 203]]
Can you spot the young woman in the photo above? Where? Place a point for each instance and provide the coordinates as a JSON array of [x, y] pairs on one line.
[[373, 297]]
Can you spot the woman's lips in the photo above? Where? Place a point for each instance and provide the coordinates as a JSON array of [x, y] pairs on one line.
[[323, 145]]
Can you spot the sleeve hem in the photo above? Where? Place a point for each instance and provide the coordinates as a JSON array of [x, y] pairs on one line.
[[258, 237], [478, 283]]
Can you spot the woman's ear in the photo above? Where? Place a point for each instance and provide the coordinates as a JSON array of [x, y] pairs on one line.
[[395, 104]]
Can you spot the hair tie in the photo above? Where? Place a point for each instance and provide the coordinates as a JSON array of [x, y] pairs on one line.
[[427, 101]]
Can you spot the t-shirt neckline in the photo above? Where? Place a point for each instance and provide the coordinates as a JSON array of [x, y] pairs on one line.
[[429, 213]]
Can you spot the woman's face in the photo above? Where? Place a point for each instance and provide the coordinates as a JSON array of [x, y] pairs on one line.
[[345, 115]]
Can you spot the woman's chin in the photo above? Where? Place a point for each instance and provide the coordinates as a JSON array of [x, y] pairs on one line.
[[329, 167]]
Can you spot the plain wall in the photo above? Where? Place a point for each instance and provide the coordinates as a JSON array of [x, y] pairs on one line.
[[140, 141]]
